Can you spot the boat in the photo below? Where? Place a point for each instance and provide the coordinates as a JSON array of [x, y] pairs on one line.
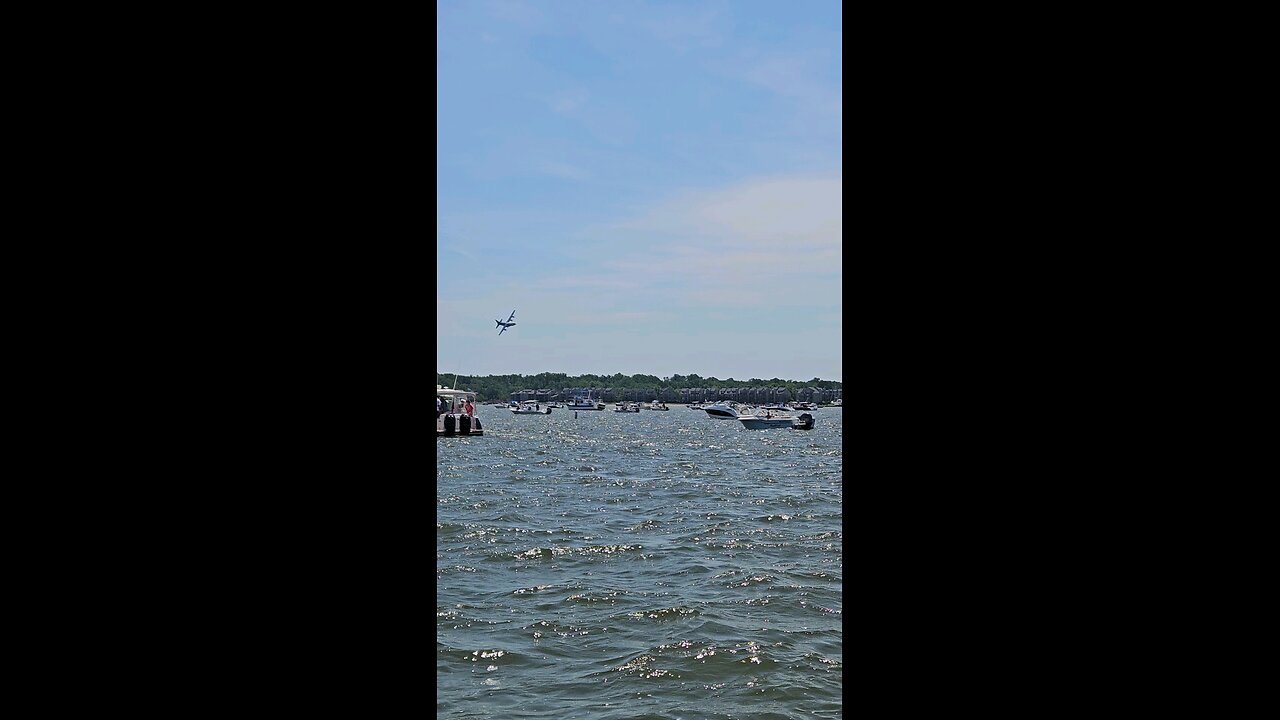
[[838, 402], [452, 419], [694, 406], [531, 407], [764, 420], [584, 403], [658, 405], [722, 410], [805, 406], [626, 407]]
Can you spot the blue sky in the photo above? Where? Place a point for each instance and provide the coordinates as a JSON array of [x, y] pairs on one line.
[[653, 187]]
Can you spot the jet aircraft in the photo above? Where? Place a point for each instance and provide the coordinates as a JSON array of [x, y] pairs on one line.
[[507, 324]]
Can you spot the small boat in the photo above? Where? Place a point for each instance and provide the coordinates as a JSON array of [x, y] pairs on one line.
[[584, 403], [626, 407], [452, 419], [531, 407], [694, 406], [658, 405], [765, 419]]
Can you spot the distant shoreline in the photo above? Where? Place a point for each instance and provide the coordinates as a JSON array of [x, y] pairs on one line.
[[682, 389]]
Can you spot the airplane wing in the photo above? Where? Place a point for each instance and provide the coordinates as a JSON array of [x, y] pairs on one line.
[[513, 315], [504, 329]]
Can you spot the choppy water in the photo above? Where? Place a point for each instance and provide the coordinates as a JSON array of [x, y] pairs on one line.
[[639, 565]]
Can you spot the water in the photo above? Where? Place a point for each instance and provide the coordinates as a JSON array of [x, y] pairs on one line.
[[651, 565]]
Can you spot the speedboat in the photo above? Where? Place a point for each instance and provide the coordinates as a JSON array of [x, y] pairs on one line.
[[658, 405], [764, 420], [453, 419], [531, 407], [626, 407], [722, 410]]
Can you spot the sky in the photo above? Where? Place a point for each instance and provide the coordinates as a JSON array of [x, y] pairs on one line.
[[652, 187]]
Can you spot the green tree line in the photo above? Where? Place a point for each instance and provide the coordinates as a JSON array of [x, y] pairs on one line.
[[499, 387]]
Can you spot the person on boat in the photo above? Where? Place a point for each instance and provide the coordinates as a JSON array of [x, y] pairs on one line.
[[437, 406], [471, 409]]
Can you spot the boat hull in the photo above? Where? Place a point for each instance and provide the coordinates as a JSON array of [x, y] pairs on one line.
[[458, 425], [759, 423]]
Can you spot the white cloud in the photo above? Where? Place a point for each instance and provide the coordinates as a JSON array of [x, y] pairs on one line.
[[808, 82], [725, 243]]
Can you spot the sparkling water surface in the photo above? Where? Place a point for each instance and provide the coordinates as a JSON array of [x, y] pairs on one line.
[[639, 565]]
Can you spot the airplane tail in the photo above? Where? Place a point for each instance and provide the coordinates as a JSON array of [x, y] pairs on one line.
[[498, 325]]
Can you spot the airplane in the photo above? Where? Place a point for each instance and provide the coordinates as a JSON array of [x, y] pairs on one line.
[[506, 324]]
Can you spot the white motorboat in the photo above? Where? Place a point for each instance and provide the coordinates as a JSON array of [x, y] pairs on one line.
[[452, 419], [626, 407], [765, 420], [722, 410], [658, 405], [531, 407], [584, 403]]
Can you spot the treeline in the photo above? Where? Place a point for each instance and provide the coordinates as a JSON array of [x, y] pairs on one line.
[[500, 387]]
